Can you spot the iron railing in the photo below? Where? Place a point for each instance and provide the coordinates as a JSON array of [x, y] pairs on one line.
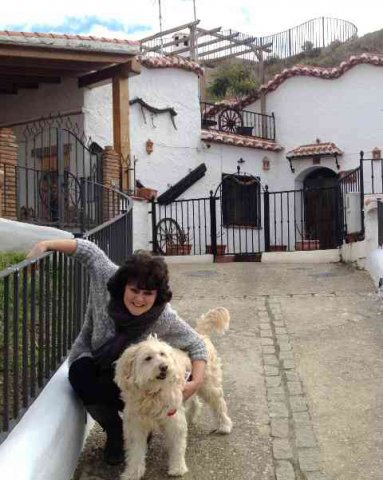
[[181, 227], [42, 303], [229, 119], [244, 223], [64, 201], [113, 237], [42, 306], [302, 219], [197, 44]]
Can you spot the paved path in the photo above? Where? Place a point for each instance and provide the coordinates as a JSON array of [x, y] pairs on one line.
[[303, 363]]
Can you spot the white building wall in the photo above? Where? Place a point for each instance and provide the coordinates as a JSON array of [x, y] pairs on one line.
[[175, 151], [98, 110], [346, 111]]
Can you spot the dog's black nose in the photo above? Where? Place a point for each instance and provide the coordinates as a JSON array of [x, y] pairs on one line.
[[163, 368]]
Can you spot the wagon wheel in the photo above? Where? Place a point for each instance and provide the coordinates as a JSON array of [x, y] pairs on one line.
[[167, 232], [47, 188], [230, 120], [72, 190], [49, 192]]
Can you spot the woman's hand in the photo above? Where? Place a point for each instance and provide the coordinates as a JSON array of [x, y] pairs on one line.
[[38, 249], [67, 245], [197, 375], [190, 389]]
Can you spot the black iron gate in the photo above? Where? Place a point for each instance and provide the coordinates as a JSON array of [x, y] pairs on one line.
[[243, 218], [55, 166]]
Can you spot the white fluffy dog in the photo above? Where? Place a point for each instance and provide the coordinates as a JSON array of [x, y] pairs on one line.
[[151, 376]]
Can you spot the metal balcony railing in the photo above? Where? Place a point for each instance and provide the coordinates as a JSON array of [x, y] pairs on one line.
[[229, 119]]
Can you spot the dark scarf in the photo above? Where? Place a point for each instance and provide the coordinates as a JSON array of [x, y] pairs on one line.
[[129, 328]]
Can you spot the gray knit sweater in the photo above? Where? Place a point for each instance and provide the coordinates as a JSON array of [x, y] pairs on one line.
[[99, 327]]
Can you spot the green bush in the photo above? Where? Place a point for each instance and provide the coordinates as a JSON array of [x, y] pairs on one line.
[[10, 258], [233, 79]]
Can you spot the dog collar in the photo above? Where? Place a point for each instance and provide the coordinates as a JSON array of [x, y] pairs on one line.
[[172, 412]]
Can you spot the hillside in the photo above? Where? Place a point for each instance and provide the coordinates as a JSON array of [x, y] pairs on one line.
[[330, 56]]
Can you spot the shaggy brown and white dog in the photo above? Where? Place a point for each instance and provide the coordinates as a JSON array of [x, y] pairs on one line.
[[151, 376]]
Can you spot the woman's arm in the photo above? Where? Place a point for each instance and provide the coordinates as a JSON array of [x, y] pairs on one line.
[[85, 251], [65, 245], [198, 376]]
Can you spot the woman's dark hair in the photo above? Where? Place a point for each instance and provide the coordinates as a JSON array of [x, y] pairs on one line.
[[146, 272]]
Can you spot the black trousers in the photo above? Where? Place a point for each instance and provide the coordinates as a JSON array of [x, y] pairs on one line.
[[94, 385]]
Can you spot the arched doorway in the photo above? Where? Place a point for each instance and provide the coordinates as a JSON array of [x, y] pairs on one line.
[[322, 207]]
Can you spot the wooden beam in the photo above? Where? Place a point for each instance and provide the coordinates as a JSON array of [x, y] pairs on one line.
[[124, 70], [9, 90], [40, 72], [225, 57], [58, 54], [187, 37], [8, 77], [219, 49], [18, 84], [171, 30], [69, 65], [237, 42], [205, 44], [121, 133]]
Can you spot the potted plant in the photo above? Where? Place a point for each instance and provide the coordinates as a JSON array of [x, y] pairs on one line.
[[146, 193], [221, 247], [278, 248], [181, 247], [308, 242]]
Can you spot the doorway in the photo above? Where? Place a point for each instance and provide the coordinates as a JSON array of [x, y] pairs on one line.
[[321, 207]]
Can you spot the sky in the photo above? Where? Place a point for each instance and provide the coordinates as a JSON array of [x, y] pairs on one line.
[[135, 19]]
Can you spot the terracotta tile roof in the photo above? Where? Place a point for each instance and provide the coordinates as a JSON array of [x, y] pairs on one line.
[[239, 140], [314, 149], [80, 42], [310, 71], [173, 61]]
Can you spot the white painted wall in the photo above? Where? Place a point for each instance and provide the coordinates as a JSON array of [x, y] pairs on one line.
[[359, 253], [46, 443], [98, 114], [21, 237], [346, 111], [142, 226]]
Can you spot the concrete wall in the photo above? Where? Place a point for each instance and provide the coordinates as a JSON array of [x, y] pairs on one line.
[[47, 99], [359, 252], [20, 237], [46, 443]]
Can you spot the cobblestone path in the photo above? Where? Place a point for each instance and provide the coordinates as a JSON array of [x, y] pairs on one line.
[[302, 364]]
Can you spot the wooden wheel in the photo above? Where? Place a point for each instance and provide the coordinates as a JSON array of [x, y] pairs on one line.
[[167, 232], [230, 120], [49, 192]]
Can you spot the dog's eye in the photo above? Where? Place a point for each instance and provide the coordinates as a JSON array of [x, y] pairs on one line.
[[147, 359], [162, 354]]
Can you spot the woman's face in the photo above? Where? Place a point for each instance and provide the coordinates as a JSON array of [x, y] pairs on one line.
[[138, 301]]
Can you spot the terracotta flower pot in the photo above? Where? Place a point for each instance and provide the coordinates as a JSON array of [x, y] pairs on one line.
[[177, 249], [147, 193], [278, 248], [307, 245], [220, 249]]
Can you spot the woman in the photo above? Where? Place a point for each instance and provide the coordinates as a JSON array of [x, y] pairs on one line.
[[125, 305]]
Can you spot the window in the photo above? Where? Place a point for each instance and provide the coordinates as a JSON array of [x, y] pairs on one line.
[[241, 201]]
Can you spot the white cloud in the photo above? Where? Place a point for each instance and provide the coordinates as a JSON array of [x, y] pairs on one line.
[[248, 16]]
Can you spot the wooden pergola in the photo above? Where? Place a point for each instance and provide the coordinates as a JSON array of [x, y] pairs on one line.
[[207, 46], [28, 60]]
